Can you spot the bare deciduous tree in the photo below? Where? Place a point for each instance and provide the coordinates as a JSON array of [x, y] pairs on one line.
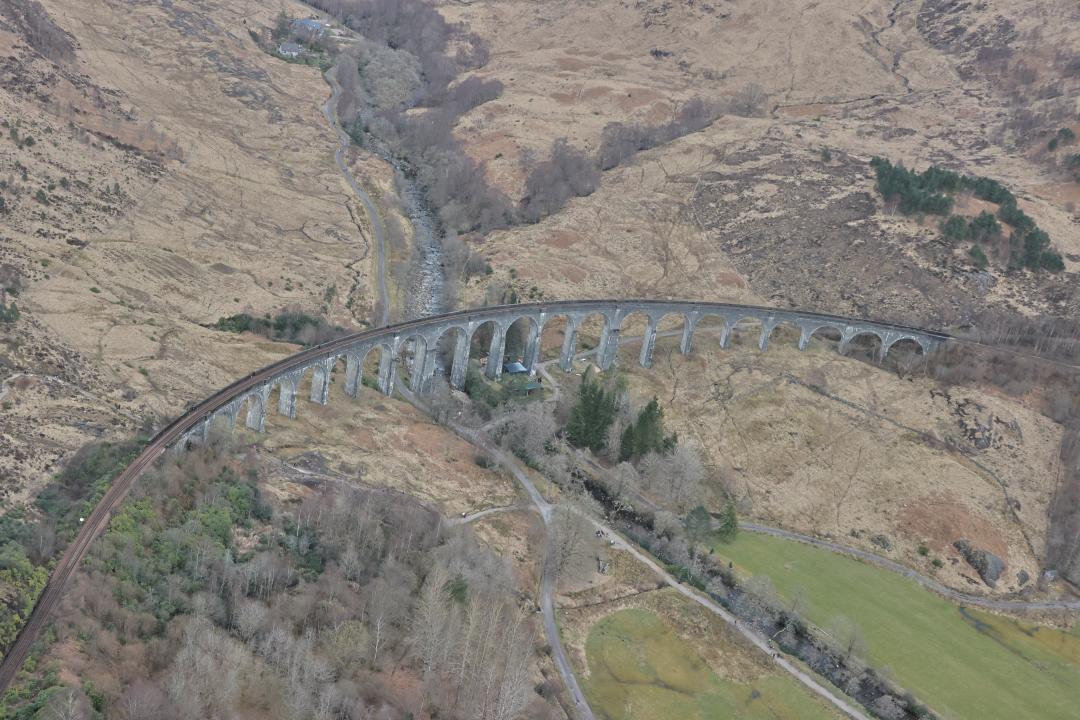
[[676, 478], [749, 101], [574, 541]]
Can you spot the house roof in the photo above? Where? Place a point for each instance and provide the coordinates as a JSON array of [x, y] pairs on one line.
[[290, 47], [514, 368], [309, 24]]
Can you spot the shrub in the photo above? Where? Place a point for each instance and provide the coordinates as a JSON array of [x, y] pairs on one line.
[[1014, 216], [984, 226], [1036, 253], [729, 523], [916, 193], [568, 173], [289, 326], [978, 257], [955, 228], [621, 141], [882, 541]]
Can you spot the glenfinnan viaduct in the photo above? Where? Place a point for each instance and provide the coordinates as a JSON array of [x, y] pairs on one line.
[[423, 337], [420, 341]]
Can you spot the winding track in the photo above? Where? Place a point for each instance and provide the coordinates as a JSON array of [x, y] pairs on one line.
[[95, 524]]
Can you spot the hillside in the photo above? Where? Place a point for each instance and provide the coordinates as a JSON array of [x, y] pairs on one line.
[[178, 174], [780, 206]]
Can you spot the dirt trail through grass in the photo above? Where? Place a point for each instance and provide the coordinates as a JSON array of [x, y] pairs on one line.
[[641, 670]]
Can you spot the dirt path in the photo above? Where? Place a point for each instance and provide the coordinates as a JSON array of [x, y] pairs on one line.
[[925, 581], [330, 111], [547, 605], [465, 519], [547, 592]]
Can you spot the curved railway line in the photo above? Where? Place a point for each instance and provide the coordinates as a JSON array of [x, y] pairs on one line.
[[180, 428]]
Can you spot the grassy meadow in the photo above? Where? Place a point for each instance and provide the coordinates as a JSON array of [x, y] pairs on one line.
[[963, 663], [640, 669]]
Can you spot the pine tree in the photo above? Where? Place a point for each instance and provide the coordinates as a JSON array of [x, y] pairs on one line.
[[591, 416], [698, 523], [646, 434], [729, 523]]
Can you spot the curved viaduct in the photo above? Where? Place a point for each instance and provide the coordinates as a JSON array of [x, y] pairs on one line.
[[423, 338]]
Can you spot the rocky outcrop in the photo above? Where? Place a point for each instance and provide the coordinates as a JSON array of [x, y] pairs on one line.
[[987, 564]]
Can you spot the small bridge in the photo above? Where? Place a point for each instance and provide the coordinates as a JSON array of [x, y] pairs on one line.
[[423, 338]]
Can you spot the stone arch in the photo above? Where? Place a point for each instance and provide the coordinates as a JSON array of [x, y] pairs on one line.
[[598, 335], [377, 361], [451, 345], [858, 343], [522, 336], [711, 324], [219, 425], [411, 357], [646, 324], [909, 345], [287, 388], [736, 332], [781, 330], [827, 333], [487, 342], [252, 408], [558, 338], [322, 376]]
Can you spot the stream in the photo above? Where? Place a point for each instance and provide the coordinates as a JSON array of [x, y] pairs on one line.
[[425, 291], [427, 277]]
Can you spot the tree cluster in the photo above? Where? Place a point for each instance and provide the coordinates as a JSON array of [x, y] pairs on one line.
[[567, 173], [240, 604], [293, 326], [930, 192], [621, 141], [592, 414], [646, 435]]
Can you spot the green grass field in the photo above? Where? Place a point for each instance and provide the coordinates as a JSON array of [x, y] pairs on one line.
[[962, 663], [641, 670]]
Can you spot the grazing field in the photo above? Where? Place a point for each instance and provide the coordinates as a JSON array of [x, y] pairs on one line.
[[961, 662], [640, 669]]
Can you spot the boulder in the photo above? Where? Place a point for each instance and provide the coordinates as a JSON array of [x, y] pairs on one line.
[[987, 564]]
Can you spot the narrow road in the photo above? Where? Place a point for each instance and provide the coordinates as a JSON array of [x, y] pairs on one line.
[[547, 605], [547, 591], [779, 659], [330, 111], [925, 581]]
